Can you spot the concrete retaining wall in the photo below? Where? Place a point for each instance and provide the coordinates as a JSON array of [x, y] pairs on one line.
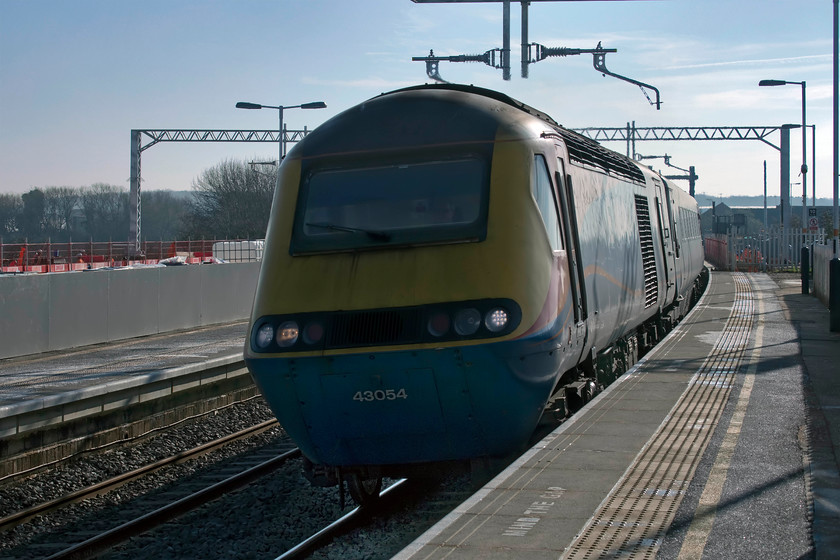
[[44, 312]]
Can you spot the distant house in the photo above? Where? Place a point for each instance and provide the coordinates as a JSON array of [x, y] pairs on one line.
[[751, 221], [78, 220]]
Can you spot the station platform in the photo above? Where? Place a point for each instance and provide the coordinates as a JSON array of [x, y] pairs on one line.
[[82, 385], [722, 442], [43, 376]]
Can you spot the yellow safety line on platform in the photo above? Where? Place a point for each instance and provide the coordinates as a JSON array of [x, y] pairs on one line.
[[704, 516], [635, 517]]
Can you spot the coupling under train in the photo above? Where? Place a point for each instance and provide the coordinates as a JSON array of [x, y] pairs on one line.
[[440, 261]]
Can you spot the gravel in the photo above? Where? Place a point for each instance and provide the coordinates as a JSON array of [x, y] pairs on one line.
[[90, 468], [262, 520], [269, 517]]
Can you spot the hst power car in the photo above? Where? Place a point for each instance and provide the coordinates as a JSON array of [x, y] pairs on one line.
[[441, 260]]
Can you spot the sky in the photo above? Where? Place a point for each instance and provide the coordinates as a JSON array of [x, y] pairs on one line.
[[77, 75]]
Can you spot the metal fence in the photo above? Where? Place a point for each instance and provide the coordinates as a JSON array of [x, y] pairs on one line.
[[75, 255], [778, 249]]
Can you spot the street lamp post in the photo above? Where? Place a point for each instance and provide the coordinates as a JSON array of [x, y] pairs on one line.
[[312, 105], [813, 165], [804, 168]]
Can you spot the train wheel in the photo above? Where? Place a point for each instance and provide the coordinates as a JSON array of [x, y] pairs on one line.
[[364, 491]]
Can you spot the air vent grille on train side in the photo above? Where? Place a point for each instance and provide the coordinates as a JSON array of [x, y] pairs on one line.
[[587, 152], [648, 257]]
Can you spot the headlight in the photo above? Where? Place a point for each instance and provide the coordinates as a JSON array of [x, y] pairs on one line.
[[496, 319], [438, 324], [287, 334], [264, 336], [467, 321]]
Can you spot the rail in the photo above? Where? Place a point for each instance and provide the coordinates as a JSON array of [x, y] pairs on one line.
[[356, 518], [108, 539], [117, 481]]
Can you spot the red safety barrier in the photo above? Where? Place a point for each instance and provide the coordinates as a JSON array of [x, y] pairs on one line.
[[72, 256], [716, 252]]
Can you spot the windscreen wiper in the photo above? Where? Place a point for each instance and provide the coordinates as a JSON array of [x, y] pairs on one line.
[[373, 234]]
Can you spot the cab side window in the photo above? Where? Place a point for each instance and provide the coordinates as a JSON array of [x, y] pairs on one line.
[[544, 195]]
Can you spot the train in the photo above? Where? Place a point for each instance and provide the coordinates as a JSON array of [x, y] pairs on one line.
[[441, 262]]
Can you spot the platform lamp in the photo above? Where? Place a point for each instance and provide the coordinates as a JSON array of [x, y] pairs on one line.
[[312, 105], [804, 168]]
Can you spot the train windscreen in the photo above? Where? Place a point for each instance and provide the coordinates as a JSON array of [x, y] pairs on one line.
[[439, 201]]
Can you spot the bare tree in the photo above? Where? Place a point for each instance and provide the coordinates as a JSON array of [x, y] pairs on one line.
[[11, 207], [106, 211], [231, 200], [32, 215], [827, 222], [163, 214], [58, 210]]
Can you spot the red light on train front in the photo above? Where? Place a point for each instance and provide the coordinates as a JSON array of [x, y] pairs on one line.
[[313, 333], [438, 324]]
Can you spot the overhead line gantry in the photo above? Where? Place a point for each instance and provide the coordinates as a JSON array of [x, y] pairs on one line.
[[631, 134], [142, 140]]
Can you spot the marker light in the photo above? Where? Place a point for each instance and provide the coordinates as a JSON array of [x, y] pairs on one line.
[[264, 336], [287, 334], [438, 324], [467, 321], [313, 333], [496, 319]]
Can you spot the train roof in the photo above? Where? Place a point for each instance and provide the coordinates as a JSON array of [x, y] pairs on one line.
[[582, 150], [492, 94]]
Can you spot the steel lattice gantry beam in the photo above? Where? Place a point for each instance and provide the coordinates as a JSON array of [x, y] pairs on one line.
[[156, 136], [632, 134], [144, 139]]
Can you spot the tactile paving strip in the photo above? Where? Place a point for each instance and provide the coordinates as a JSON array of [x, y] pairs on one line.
[[632, 521]]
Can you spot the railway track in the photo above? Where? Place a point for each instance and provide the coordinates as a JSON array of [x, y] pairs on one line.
[[105, 486], [150, 512], [410, 502], [298, 509], [388, 498], [416, 502], [95, 545], [401, 497]]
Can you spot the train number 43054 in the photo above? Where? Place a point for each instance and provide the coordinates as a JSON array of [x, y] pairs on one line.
[[380, 395]]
